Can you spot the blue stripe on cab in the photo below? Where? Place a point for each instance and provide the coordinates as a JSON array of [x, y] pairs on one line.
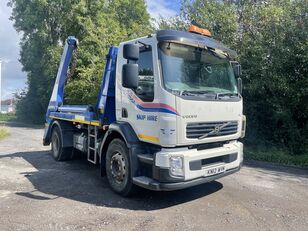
[[156, 110]]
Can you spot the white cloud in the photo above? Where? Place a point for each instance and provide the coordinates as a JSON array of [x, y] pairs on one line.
[[161, 8]]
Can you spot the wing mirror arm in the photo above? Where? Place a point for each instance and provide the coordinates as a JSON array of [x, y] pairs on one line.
[[237, 69], [239, 85]]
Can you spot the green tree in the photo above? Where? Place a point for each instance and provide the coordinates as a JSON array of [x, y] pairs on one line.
[[174, 23], [217, 16], [46, 24], [271, 39], [273, 55]]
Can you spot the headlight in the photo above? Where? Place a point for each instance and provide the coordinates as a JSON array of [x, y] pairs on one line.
[[243, 126], [176, 166]]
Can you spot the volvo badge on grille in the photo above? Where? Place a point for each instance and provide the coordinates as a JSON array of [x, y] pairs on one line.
[[215, 131]]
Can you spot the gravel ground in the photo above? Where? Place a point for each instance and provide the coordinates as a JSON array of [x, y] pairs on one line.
[[37, 193]]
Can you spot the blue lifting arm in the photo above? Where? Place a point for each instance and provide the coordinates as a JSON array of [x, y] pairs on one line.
[[106, 99], [56, 99], [104, 111]]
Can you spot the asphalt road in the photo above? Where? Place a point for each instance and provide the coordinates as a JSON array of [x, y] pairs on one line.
[[37, 193]]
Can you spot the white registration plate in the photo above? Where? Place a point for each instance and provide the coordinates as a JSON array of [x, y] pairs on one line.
[[214, 171]]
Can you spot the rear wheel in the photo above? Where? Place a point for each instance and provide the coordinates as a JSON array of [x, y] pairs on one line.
[[59, 152], [118, 169]]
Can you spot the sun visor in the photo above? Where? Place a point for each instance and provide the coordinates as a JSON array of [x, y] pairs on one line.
[[193, 39]]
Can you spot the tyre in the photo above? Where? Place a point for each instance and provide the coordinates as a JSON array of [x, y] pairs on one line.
[[58, 151], [118, 169]]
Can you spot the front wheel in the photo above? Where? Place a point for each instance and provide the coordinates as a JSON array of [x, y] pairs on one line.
[[118, 169]]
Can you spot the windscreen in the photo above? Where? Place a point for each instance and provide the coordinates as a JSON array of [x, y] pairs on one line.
[[196, 70]]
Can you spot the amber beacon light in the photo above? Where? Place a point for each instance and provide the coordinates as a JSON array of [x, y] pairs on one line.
[[198, 30]]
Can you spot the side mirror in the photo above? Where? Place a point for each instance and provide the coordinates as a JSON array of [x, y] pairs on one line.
[[239, 85], [131, 51], [237, 70], [130, 75]]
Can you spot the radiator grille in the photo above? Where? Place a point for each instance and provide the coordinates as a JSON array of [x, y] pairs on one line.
[[211, 129]]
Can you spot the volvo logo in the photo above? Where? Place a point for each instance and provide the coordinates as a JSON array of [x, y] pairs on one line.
[[215, 131]]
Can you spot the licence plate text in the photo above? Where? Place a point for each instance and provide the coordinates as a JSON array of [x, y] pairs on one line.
[[214, 171]]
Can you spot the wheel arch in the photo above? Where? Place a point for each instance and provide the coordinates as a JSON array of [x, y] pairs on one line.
[[120, 130], [66, 131]]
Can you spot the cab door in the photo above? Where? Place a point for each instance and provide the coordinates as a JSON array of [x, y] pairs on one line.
[[139, 107]]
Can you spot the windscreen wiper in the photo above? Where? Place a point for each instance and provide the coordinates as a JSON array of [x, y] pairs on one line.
[[195, 93], [230, 94], [146, 46], [186, 93]]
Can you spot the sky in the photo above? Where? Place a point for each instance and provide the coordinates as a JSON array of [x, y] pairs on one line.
[[13, 79]]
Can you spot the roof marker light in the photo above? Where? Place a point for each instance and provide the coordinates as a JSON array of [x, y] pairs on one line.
[[198, 30]]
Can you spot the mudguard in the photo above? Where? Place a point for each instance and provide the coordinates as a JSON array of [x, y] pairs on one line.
[[67, 132], [126, 132]]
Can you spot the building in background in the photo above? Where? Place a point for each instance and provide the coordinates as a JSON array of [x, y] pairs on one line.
[[8, 106]]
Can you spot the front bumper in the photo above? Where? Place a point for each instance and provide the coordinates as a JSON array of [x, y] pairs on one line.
[[196, 164], [155, 185], [191, 156]]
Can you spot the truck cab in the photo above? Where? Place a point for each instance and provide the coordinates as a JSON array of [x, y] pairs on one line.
[[168, 116]]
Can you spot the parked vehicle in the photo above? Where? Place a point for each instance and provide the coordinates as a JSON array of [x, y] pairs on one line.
[[168, 115]]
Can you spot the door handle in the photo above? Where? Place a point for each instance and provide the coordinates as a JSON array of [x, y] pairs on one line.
[[124, 112]]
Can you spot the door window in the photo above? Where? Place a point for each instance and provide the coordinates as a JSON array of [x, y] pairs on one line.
[[145, 89]]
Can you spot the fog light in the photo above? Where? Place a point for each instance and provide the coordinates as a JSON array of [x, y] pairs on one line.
[[176, 166]]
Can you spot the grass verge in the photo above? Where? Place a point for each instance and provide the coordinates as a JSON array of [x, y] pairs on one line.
[[275, 155], [4, 132], [7, 117]]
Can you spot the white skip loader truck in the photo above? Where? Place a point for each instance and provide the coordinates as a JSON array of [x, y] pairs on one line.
[[168, 116]]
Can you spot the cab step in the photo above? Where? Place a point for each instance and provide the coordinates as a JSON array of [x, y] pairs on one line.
[[146, 182], [146, 158]]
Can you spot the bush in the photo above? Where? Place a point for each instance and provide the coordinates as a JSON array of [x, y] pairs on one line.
[[7, 117], [275, 155], [3, 132]]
